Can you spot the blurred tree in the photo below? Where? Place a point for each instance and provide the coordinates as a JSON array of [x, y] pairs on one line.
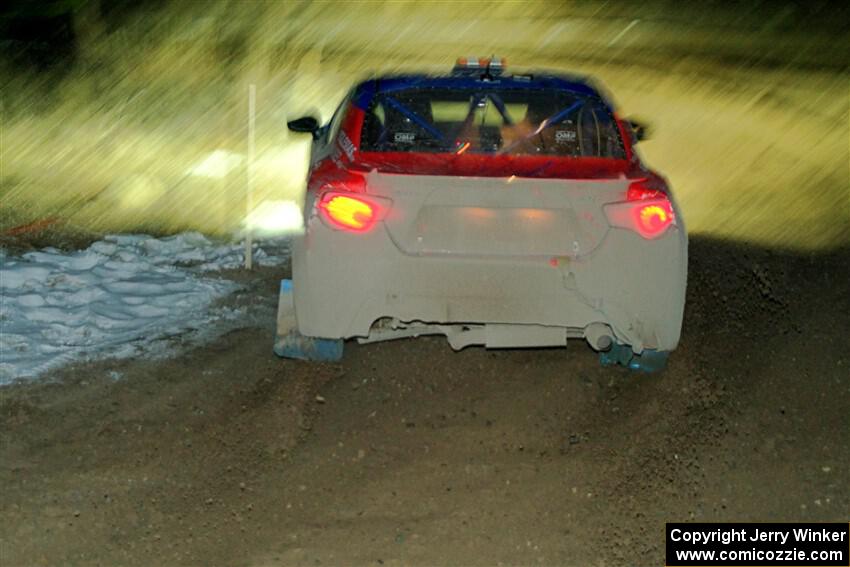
[[115, 14], [39, 35]]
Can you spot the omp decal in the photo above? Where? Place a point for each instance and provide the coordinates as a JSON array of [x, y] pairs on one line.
[[564, 136], [404, 137]]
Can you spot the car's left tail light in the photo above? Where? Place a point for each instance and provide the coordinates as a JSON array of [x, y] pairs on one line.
[[647, 210], [353, 212]]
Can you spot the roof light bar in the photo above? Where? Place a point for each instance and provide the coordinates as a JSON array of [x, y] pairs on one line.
[[484, 66]]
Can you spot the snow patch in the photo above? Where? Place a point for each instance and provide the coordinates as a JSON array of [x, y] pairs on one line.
[[120, 297]]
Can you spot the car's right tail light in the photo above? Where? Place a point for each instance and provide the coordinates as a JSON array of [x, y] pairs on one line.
[[647, 210]]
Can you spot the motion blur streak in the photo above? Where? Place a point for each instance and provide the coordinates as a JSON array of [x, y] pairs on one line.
[[146, 125]]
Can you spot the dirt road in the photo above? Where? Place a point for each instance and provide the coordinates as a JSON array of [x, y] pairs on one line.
[[408, 453]]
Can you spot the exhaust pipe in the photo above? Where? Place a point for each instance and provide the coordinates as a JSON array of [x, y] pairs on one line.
[[599, 336]]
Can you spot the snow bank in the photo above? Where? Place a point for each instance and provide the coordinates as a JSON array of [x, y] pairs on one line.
[[112, 299]]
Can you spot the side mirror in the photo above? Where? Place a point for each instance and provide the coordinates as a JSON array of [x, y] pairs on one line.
[[304, 124], [640, 130]]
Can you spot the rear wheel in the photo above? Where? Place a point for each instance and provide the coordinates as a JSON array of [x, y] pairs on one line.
[[295, 345], [289, 343], [647, 361]]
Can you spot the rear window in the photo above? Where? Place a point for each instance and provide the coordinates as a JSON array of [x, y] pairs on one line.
[[511, 121]]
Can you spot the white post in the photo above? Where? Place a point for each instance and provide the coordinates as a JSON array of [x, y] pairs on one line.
[[249, 188]]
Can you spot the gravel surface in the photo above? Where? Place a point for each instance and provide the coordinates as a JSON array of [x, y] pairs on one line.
[[407, 453]]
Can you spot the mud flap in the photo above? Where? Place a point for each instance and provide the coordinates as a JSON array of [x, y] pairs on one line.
[[648, 361], [289, 343], [296, 345]]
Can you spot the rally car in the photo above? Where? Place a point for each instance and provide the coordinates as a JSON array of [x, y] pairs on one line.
[[497, 210]]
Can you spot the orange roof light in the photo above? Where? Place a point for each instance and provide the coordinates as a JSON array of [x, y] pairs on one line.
[[490, 65]]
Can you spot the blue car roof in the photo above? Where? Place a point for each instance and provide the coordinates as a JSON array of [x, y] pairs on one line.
[[366, 91]]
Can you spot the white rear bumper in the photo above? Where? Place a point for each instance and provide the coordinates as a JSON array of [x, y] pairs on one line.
[[345, 282]]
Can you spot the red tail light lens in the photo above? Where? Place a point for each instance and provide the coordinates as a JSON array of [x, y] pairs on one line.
[[652, 220], [638, 191], [647, 210], [654, 213], [350, 212]]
